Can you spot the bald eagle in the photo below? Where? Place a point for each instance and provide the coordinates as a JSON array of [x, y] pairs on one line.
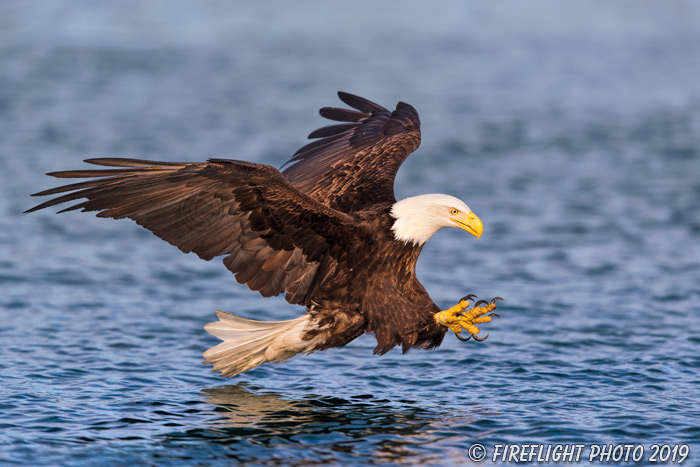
[[327, 231]]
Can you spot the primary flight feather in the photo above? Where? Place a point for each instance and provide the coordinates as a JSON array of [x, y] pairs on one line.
[[327, 232]]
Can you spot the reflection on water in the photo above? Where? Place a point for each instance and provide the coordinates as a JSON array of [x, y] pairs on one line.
[[388, 431], [243, 407]]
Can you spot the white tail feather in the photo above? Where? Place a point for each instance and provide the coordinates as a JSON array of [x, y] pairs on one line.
[[248, 343]]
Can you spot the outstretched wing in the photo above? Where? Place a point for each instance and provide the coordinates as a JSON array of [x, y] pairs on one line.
[[354, 164], [273, 235]]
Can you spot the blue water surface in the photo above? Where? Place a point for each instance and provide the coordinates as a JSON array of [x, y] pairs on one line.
[[571, 128]]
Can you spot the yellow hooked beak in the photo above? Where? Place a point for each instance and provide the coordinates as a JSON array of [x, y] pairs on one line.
[[469, 222]]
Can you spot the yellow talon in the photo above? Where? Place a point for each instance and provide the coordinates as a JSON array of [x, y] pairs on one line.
[[456, 319]]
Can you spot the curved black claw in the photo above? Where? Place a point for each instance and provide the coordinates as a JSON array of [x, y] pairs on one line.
[[494, 315], [479, 303], [495, 300], [480, 339], [468, 298], [459, 336]]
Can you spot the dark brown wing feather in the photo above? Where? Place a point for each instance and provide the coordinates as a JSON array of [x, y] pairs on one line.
[[354, 165], [273, 235]]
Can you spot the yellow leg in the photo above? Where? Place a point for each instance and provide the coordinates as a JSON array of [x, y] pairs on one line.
[[458, 317]]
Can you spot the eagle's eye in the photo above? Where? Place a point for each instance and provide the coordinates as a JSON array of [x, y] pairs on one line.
[[454, 211]]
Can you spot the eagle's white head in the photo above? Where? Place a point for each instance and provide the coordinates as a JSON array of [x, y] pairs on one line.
[[418, 218]]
